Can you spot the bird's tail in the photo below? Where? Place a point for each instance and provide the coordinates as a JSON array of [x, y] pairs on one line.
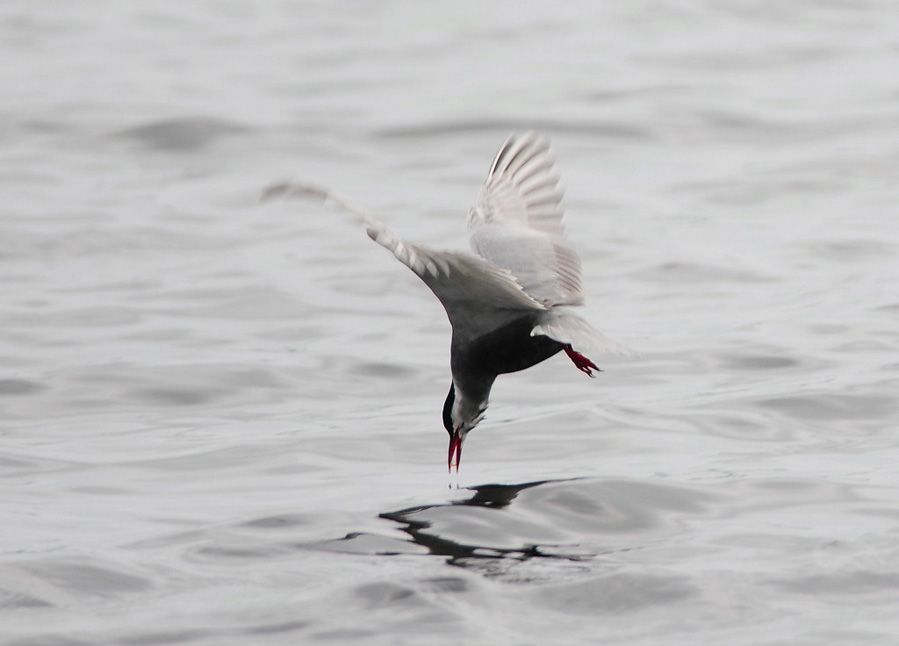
[[564, 326]]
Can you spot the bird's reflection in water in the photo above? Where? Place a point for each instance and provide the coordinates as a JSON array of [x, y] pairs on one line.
[[490, 496]]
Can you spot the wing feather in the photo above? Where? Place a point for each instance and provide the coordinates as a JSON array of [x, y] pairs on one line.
[[517, 222]]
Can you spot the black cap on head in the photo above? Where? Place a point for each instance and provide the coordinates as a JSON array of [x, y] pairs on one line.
[[448, 410]]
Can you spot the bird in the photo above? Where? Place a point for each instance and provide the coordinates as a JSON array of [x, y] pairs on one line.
[[511, 301]]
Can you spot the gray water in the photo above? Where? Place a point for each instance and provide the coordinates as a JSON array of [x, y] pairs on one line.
[[220, 420]]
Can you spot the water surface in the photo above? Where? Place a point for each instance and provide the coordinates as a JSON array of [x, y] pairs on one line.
[[221, 419]]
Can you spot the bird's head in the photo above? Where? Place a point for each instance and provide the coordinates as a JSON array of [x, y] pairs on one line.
[[460, 415]]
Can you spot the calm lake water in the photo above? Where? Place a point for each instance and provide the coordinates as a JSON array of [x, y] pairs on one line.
[[220, 420]]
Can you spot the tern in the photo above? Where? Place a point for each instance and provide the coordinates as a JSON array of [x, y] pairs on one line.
[[510, 303]]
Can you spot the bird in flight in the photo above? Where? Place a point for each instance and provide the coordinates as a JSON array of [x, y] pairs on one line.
[[510, 303]]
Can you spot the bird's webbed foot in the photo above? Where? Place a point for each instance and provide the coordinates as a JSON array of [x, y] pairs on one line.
[[583, 363]]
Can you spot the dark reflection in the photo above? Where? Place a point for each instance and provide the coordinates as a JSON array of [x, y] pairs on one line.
[[490, 496], [495, 496]]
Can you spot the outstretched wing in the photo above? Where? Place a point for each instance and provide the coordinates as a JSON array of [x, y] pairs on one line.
[[467, 286], [517, 222], [475, 293]]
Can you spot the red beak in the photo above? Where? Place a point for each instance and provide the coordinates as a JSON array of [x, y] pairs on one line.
[[455, 450]]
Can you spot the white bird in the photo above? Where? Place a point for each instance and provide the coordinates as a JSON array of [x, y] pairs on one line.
[[510, 303]]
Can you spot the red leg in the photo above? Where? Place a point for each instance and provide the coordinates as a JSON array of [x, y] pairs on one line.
[[583, 363]]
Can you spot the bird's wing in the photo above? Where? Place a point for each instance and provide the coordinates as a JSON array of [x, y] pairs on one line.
[[472, 290], [517, 222], [468, 286]]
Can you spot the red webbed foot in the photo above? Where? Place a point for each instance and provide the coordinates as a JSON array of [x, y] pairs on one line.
[[583, 363]]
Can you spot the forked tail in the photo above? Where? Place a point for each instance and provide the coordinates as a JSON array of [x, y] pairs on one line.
[[566, 327]]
